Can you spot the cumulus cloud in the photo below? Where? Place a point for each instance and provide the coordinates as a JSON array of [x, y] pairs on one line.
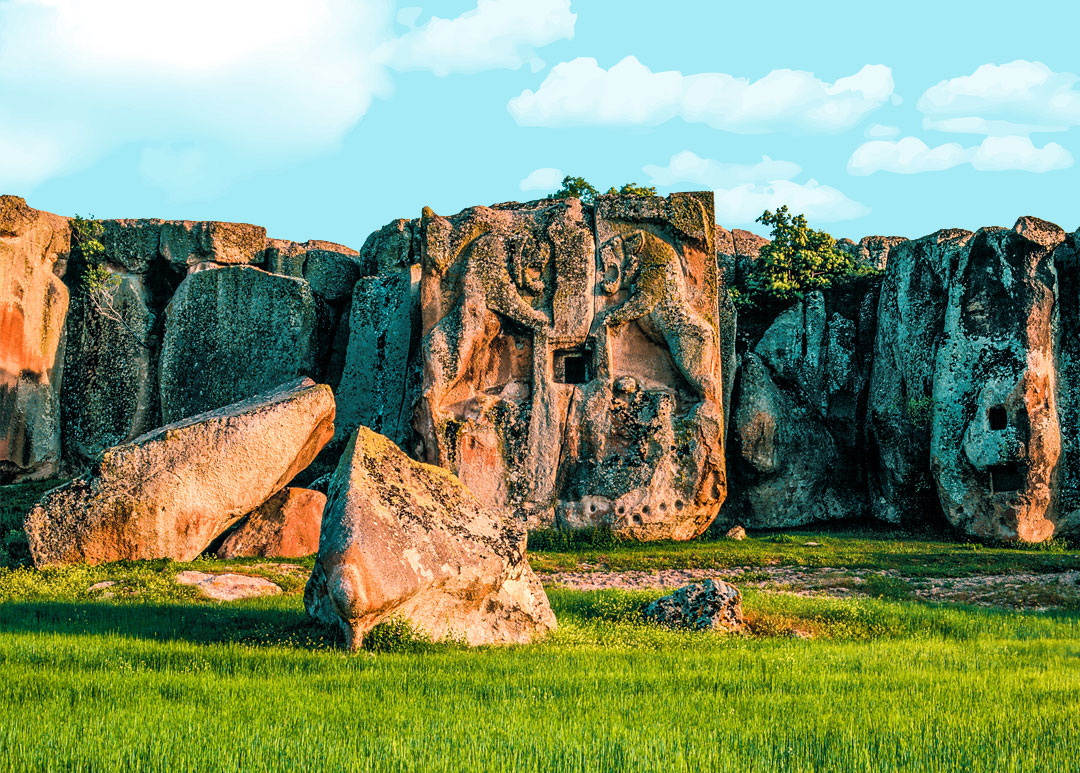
[[544, 179], [743, 191], [497, 34], [266, 81], [879, 131], [1017, 98], [911, 155], [582, 93]]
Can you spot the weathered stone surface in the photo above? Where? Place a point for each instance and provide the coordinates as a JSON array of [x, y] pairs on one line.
[[393, 247], [380, 382], [332, 274], [109, 393], [797, 424], [228, 587], [996, 436], [134, 245], [737, 533], [1067, 371], [286, 525], [188, 243], [170, 492], [911, 314], [871, 251], [231, 333], [579, 385], [713, 605], [33, 306], [401, 539]]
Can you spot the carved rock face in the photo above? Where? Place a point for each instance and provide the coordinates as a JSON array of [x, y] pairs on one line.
[[996, 436], [571, 369]]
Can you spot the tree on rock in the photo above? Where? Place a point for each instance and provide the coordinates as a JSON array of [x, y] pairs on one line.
[[797, 260], [579, 187]]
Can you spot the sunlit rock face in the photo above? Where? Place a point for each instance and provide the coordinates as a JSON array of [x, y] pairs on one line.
[[571, 365], [33, 308], [996, 435]]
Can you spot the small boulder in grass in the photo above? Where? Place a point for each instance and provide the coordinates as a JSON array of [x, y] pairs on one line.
[[713, 605], [736, 533]]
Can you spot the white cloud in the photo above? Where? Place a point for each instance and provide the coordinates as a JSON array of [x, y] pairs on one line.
[[1000, 154], [911, 155], [544, 179], [1017, 98], [496, 34], [265, 81], [743, 191], [689, 167], [905, 156], [581, 93], [880, 131]]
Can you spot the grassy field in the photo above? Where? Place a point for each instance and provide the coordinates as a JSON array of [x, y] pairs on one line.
[[156, 678]]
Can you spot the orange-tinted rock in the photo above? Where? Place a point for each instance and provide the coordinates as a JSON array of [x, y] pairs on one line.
[[996, 436], [286, 525], [406, 540], [171, 492], [33, 309], [571, 364]]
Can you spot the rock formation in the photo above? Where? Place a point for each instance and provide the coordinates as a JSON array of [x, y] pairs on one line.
[[402, 539], [171, 492], [571, 374], [33, 307], [797, 427], [579, 365], [286, 525], [996, 437], [713, 605]]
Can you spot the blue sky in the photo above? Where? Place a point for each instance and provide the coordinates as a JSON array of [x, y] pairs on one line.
[[328, 118]]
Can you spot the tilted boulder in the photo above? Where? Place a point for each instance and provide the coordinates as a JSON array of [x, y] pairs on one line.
[[572, 373], [231, 333], [33, 306], [171, 492], [286, 525], [996, 437], [402, 539]]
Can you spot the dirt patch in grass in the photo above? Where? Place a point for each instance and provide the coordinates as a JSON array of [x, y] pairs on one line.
[[1021, 591]]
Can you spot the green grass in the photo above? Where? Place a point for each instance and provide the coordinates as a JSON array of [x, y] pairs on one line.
[[187, 685], [156, 678], [875, 549]]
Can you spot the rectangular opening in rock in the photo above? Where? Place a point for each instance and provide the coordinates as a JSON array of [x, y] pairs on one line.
[[571, 366], [998, 418], [1005, 478]]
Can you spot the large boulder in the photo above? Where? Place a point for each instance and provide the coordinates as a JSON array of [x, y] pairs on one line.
[[380, 381], [286, 525], [186, 243], [996, 437], [33, 306], [406, 540], [231, 333], [571, 363], [911, 318], [171, 492], [796, 436]]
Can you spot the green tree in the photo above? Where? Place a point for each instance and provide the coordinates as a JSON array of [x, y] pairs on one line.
[[797, 260], [581, 188]]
